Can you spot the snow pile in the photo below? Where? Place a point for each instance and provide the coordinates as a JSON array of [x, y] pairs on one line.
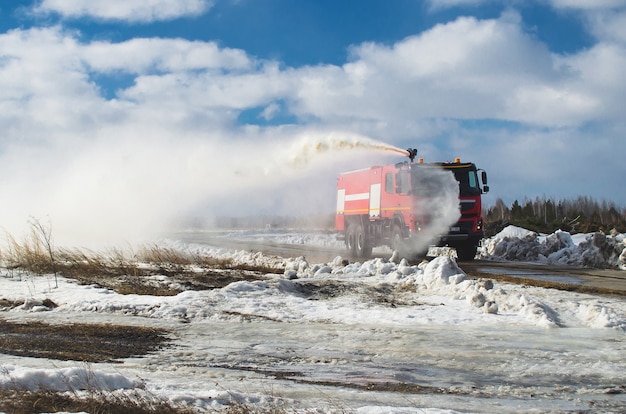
[[442, 280], [61, 380], [85, 379], [595, 250]]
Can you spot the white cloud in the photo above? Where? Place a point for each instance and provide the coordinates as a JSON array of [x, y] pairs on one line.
[[597, 82], [559, 163], [143, 55], [270, 111], [44, 83], [587, 4], [128, 10], [467, 68], [608, 26], [605, 19]]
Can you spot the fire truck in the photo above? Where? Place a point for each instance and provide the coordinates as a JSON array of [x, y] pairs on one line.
[[383, 205]]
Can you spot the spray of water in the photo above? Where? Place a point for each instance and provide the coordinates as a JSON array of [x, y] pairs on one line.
[[315, 145], [440, 202], [123, 185]]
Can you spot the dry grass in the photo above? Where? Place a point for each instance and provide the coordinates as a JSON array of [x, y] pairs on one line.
[[94, 402], [28, 255], [79, 342], [101, 402], [6, 304], [127, 272]]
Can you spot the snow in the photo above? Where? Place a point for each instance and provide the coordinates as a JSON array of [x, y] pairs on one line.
[[61, 380], [513, 243], [322, 238], [595, 250], [493, 347]]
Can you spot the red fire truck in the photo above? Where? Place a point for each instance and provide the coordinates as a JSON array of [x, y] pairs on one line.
[[383, 205]]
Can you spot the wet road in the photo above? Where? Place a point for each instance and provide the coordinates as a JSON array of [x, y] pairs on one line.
[[609, 279]]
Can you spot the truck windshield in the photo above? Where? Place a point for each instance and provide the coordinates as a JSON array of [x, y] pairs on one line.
[[468, 181], [465, 175]]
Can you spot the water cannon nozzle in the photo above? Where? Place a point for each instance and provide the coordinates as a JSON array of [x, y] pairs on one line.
[[412, 153]]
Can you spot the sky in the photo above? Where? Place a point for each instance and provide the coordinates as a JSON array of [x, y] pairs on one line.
[[118, 115]]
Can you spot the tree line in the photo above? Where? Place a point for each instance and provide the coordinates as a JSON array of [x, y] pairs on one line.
[[543, 215], [546, 215]]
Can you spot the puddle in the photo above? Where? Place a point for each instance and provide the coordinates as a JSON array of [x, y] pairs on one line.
[[525, 274]]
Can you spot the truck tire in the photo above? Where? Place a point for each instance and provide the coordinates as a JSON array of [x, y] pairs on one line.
[[363, 247], [397, 240], [466, 251], [351, 239]]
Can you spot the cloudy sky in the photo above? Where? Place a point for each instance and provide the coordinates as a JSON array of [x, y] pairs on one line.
[[119, 114]]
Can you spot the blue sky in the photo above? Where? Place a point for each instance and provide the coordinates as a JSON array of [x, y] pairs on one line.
[[113, 106]]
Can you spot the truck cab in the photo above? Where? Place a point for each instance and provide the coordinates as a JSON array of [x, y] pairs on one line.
[[465, 235]]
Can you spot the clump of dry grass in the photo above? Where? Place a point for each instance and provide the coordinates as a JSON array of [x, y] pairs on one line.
[[126, 272], [93, 401], [6, 304], [169, 261], [170, 258], [28, 255]]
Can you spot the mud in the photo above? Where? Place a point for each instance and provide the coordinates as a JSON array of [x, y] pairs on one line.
[[80, 342]]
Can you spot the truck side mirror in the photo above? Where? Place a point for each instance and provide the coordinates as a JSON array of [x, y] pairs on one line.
[[483, 178], [485, 188]]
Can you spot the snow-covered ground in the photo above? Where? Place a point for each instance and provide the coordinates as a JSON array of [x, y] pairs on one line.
[[371, 337], [594, 250], [312, 238]]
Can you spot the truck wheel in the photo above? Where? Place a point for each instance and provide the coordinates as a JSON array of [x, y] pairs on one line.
[[350, 240], [363, 248], [397, 240], [466, 251]]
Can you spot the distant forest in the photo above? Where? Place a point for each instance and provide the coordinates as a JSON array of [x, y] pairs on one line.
[[543, 215], [546, 215]]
